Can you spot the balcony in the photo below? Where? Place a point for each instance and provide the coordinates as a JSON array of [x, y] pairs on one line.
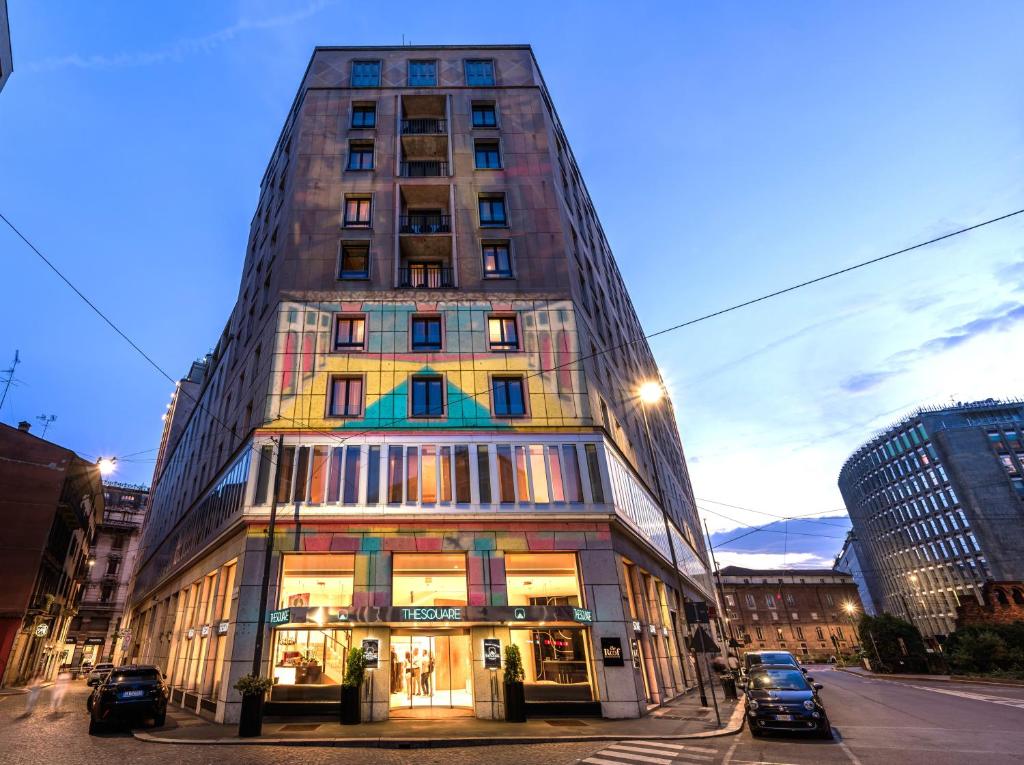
[[420, 223], [425, 126], [423, 168], [424, 276]]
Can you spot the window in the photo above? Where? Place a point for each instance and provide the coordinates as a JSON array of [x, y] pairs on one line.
[[820, 633], [769, 600], [364, 115], [360, 155], [829, 601], [479, 72], [502, 334], [422, 74], [427, 397], [492, 211], [487, 155], [508, 397], [317, 579], [484, 115], [357, 212], [428, 579], [366, 74], [355, 261], [349, 333], [497, 262], [542, 579], [346, 396], [426, 333], [751, 603]]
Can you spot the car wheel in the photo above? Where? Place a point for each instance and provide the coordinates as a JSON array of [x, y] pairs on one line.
[[825, 731], [88, 703], [756, 732], [94, 727], [160, 719]]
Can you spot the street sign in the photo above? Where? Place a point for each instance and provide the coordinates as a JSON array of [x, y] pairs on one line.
[[697, 612], [702, 642]]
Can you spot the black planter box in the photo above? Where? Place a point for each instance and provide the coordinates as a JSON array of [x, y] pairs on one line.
[[250, 724], [515, 702], [351, 706]]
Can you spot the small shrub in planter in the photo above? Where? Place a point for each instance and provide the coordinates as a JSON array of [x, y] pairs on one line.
[[253, 689], [515, 692], [351, 710]]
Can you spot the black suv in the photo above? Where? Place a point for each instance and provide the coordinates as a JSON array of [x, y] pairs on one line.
[[781, 698], [129, 693]]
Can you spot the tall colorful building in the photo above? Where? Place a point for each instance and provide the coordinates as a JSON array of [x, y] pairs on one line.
[[430, 376]]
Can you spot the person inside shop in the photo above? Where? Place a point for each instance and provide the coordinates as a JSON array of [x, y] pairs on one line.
[[407, 686], [427, 672], [396, 672], [417, 669]]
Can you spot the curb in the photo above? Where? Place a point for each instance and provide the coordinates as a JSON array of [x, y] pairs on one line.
[[932, 678], [733, 726]]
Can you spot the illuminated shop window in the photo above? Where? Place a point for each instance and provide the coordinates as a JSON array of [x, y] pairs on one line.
[[542, 579], [317, 579], [556, 663], [309, 664], [428, 579]]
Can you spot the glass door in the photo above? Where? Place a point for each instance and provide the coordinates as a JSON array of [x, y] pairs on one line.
[[430, 671]]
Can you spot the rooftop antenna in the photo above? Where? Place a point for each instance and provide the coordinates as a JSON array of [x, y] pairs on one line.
[[10, 378], [47, 420]]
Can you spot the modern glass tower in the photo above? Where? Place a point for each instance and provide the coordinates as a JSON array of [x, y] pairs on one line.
[[430, 375]]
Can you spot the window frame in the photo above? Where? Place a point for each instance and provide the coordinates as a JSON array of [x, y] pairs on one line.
[[465, 72], [444, 397], [525, 392], [368, 198], [342, 245], [496, 143], [330, 396], [492, 197], [352, 72], [472, 115], [503, 348], [365, 107], [484, 245], [426, 317], [409, 75], [343, 316], [357, 147]]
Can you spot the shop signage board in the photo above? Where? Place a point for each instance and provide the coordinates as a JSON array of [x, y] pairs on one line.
[[41, 630], [191, 633], [492, 653], [70, 640], [371, 653], [611, 652], [94, 641], [634, 645], [435, 615], [282, 616], [204, 631], [222, 628], [636, 626]]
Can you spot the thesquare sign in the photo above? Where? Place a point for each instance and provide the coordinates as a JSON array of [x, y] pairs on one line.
[[280, 616]]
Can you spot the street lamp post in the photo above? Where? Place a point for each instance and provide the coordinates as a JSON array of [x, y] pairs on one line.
[[651, 393]]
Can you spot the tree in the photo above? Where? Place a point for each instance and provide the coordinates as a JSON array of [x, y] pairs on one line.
[[895, 645]]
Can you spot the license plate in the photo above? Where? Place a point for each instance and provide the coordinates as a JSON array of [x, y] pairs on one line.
[[784, 718], [132, 694]]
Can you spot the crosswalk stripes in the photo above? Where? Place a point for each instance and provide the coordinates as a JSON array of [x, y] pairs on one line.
[[636, 752]]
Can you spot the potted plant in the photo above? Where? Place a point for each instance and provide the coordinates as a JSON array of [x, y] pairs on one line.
[[351, 713], [253, 689], [515, 693]]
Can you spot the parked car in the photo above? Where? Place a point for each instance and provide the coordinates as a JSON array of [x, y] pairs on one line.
[[129, 693], [98, 673], [782, 698], [753, 659]]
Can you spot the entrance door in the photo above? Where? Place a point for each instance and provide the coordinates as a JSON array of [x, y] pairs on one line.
[[430, 671]]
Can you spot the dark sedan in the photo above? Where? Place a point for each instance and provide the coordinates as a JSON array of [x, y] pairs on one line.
[[128, 694], [781, 698]]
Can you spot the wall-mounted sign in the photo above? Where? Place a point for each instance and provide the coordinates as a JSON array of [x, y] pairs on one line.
[[664, 631], [191, 633], [432, 614], [371, 653], [611, 652], [41, 630], [519, 614], [583, 615], [634, 645], [70, 640], [652, 629], [492, 653], [280, 616], [637, 627], [222, 628], [204, 631], [94, 641]]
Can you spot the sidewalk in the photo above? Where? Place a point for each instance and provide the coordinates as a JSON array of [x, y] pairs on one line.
[[940, 678], [683, 718]]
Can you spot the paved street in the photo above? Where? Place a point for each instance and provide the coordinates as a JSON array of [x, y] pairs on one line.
[[876, 721]]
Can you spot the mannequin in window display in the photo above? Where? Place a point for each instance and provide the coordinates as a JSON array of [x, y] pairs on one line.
[[396, 672], [407, 679], [426, 672], [417, 669]]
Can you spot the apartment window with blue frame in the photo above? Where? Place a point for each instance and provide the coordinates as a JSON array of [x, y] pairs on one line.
[[426, 333], [364, 115], [366, 74], [422, 74], [492, 211], [428, 396], [484, 115], [509, 398], [497, 260], [488, 157], [355, 261], [479, 72], [360, 155]]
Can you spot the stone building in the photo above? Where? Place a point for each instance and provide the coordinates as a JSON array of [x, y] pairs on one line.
[[96, 629], [810, 612], [430, 376], [849, 562], [937, 504], [1001, 603]]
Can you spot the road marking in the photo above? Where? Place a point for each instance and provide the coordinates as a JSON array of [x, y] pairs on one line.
[[1005, 701], [728, 754], [849, 753], [687, 747], [613, 752], [599, 761], [619, 749]]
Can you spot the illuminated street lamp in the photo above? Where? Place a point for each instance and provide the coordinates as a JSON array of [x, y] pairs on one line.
[[107, 465]]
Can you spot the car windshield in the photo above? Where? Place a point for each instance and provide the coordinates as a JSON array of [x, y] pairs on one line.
[[131, 675], [779, 680], [771, 658]]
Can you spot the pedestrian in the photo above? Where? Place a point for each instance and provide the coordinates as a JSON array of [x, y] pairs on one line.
[[428, 671], [35, 687], [60, 687]]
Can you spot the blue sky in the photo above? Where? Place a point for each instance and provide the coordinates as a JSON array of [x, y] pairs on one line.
[[731, 149]]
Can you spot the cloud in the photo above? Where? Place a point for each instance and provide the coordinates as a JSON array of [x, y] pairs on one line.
[[178, 49], [772, 560], [1013, 273]]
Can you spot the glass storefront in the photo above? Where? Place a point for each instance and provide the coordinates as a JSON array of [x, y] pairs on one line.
[[429, 579], [542, 579], [308, 664], [317, 579], [430, 670], [556, 662]]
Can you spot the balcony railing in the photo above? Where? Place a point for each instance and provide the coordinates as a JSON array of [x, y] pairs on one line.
[[425, 278], [423, 168], [425, 224], [424, 126]]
